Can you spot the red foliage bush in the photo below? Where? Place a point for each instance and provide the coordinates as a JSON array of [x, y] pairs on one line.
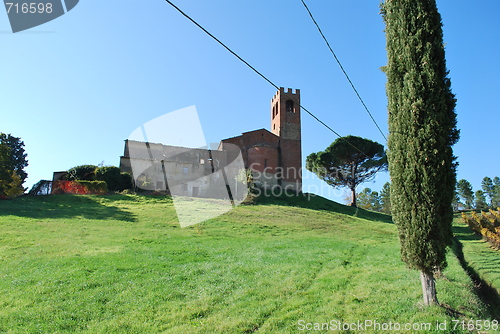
[[68, 187], [79, 188]]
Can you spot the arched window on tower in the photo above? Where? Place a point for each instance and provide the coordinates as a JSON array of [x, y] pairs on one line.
[[289, 106]]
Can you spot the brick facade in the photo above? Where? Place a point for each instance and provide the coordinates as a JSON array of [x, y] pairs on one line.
[[275, 157]]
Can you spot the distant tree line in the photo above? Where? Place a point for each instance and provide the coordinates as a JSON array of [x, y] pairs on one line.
[[375, 201], [488, 197]]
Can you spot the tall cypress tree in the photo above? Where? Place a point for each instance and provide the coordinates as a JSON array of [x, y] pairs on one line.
[[422, 130]]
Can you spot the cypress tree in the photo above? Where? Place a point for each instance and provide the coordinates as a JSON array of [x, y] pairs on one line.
[[422, 130]]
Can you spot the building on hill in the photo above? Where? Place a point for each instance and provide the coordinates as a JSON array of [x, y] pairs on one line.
[[274, 157], [190, 171]]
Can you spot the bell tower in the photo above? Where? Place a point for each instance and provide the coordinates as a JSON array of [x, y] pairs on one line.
[[285, 123]]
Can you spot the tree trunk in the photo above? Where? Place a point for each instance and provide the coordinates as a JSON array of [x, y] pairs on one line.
[[354, 202], [353, 189], [428, 288]]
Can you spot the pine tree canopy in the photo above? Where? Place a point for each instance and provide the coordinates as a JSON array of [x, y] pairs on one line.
[[348, 162]]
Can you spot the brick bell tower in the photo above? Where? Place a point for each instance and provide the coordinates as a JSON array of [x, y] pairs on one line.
[[285, 123]]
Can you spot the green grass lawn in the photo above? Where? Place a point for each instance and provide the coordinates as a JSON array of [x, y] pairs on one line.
[[122, 264]]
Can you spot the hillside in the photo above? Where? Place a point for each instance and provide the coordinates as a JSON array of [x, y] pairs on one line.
[[121, 263]]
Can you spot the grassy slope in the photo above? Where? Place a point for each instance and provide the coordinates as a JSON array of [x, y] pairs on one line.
[[121, 264]]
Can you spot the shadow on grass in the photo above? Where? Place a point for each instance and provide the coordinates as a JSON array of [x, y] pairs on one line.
[[65, 206], [315, 202], [465, 233], [488, 294]]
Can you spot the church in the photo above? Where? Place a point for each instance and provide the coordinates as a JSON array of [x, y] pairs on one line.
[[274, 157]]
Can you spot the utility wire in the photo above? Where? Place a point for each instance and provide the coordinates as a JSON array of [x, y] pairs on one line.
[[259, 73], [342, 68], [218, 41]]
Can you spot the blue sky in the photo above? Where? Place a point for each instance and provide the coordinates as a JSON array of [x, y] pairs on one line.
[[75, 88]]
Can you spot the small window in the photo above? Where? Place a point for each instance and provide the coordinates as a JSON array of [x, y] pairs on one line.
[[265, 163], [185, 170], [289, 106], [202, 161]]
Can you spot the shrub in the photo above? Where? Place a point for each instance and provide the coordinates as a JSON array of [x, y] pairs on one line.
[[114, 178], [83, 172], [126, 181], [67, 187], [94, 187], [110, 175], [80, 187]]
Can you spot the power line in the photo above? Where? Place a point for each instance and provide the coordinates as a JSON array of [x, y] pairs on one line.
[[256, 71], [342, 68], [224, 45]]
